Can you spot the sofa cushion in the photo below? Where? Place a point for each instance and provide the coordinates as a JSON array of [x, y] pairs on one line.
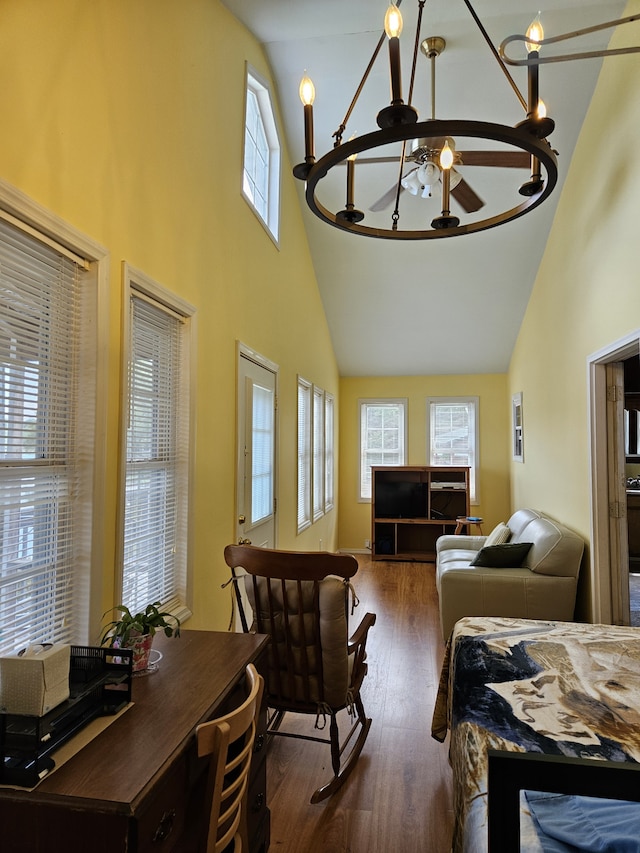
[[520, 519], [506, 556], [498, 535], [556, 549]]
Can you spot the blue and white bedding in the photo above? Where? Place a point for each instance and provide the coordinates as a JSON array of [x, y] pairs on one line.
[[556, 688]]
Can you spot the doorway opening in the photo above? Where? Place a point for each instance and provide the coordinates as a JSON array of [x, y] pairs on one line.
[[631, 370], [614, 378]]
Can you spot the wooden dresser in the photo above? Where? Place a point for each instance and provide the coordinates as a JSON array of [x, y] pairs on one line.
[[138, 786]]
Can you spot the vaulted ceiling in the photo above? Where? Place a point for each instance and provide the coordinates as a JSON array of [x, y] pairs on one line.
[[447, 306]]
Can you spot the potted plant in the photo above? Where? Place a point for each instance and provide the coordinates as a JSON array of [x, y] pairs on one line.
[[135, 631]]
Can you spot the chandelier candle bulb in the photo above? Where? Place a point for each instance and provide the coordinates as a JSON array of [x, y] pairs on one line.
[[350, 214], [446, 220], [393, 28], [536, 33], [351, 166], [307, 92], [307, 96]]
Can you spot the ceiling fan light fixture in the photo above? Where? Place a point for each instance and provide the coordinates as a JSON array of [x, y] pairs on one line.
[[428, 173], [412, 183], [508, 146]]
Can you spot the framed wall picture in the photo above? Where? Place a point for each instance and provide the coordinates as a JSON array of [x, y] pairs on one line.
[[518, 446]]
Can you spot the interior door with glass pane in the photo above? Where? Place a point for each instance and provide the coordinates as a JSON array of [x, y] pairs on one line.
[[256, 488]]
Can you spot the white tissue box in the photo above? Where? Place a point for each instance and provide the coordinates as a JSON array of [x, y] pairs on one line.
[[35, 681]]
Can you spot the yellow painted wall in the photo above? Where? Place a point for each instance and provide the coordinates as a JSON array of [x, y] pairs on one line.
[[125, 118], [586, 297], [495, 441]]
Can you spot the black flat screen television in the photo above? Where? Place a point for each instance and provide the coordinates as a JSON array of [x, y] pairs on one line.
[[400, 500]]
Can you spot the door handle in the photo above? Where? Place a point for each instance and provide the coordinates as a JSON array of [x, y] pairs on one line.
[[244, 541]]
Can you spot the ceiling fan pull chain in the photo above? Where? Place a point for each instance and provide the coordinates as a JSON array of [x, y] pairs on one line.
[[395, 216]]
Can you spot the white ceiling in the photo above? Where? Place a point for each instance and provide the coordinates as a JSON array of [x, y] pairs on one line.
[[446, 306]]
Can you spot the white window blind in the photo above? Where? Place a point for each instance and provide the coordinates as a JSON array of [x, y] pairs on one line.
[[155, 516], [318, 453], [262, 435], [453, 435], [304, 454], [45, 491], [382, 438], [329, 413]]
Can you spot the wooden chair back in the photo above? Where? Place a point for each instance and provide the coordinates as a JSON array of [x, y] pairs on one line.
[[228, 741]]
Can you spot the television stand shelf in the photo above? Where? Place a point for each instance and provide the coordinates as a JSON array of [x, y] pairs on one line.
[[411, 506]]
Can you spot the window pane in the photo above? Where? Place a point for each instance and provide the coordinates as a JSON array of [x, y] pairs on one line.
[[329, 453], [261, 167], [382, 438], [453, 436], [41, 520], [156, 496], [318, 453], [262, 454], [304, 454]]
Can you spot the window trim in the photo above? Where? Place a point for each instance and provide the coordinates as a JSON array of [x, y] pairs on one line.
[[474, 484], [260, 87], [366, 402], [49, 226], [136, 281]]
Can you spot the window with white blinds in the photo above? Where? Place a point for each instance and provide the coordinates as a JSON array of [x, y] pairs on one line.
[[304, 453], [157, 456], [262, 453], [453, 435], [47, 421], [318, 472], [316, 456], [382, 438], [329, 454]]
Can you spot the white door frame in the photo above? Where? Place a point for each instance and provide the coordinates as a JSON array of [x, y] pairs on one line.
[[609, 534]]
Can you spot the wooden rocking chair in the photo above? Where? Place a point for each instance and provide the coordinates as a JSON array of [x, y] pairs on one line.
[[301, 600]]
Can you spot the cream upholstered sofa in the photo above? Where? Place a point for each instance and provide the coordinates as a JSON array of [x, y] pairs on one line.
[[535, 582]]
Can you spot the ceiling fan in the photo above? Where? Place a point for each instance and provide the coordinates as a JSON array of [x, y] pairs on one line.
[[425, 153]]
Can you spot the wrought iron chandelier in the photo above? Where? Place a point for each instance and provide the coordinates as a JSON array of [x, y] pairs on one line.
[[430, 147]]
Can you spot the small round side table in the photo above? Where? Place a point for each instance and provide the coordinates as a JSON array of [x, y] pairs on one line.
[[467, 521]]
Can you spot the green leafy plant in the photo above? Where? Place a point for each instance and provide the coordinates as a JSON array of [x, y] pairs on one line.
[[148, 621]]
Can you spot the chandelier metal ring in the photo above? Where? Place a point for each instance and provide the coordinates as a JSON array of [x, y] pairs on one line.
[[458, 129]]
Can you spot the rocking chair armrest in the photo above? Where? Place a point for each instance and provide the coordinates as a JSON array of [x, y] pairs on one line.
[[359, 636]]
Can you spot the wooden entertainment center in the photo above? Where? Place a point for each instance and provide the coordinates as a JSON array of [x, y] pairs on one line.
[[411, 506]]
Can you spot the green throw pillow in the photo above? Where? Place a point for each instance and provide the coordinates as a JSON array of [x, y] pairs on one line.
[[508, 556]]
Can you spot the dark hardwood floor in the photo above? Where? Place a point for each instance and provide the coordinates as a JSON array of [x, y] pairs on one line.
[[399, 795]]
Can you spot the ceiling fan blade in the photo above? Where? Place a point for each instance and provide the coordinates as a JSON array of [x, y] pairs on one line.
[[386, 198], [466, 197], [504, 159]]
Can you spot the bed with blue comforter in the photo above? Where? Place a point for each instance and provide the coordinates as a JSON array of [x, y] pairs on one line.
[[552, 688]]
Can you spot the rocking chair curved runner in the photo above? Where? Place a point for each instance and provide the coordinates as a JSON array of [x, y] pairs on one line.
[[301, 599]]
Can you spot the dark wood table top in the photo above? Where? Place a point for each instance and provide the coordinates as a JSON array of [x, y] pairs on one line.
[[197, 672]]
